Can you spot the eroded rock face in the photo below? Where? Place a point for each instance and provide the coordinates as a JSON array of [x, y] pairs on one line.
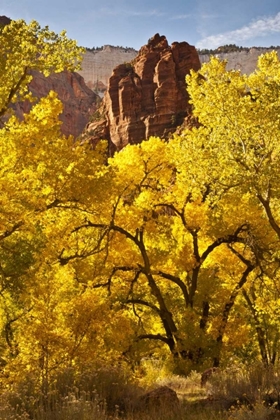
[[79, 102], [147, 97]]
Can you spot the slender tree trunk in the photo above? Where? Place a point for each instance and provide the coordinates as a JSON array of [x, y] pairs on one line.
[[227, 308], [260, 332]]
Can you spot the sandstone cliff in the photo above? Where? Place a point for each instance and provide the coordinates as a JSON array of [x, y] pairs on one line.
[[245, 61], [146, 97], [98, 65], [79, 102]]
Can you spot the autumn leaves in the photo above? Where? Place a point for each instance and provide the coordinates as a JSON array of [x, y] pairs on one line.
[[168, 248]]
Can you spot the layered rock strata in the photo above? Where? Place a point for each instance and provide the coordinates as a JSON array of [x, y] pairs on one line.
[[146, 97], [98, 64], [245, 61]]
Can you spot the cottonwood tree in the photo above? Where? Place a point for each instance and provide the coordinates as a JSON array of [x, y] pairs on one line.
[[37, 163], [163, 250], [166, 248], [240, 117], [186, 226]]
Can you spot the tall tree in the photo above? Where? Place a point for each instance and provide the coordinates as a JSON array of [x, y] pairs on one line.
[[185, 226], [36, 165]]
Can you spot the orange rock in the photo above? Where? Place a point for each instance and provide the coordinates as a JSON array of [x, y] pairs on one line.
[[78, 100], [148, 97]]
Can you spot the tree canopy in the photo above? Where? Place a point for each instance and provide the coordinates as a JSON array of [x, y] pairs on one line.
[[169, 249]]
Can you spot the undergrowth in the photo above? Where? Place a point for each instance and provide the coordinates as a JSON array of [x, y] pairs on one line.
[[112, 393]]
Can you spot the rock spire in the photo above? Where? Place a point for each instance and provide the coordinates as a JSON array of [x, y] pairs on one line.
[[146, 97]]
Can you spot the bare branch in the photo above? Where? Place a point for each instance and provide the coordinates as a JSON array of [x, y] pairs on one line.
[[271, 219], [13, 92]]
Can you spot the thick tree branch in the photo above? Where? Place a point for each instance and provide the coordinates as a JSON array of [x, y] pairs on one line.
[[177, 281], [13, 92], [154, 337], [259, 330], [228, 239], [227, 308], [143, 303]]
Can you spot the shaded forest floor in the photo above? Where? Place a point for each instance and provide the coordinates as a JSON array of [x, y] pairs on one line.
[[108, 394]]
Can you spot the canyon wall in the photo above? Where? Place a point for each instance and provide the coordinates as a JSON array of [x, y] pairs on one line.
[[98, 65], [245, 60], [79, 101], [145, 91]]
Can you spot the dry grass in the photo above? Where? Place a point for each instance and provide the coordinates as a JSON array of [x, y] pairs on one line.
[[247, 386], [110, 394]]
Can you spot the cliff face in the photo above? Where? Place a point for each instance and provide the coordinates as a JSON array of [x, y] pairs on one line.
[[98, 65], [245, 61], [146, 97], [79, 102]]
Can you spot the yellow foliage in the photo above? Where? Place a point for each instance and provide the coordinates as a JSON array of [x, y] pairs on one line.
[[168, 246]]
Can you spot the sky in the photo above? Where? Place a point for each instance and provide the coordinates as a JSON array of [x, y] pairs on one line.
[[130, 23]]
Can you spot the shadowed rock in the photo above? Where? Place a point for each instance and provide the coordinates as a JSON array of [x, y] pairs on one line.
[[159, 399], [4, 20], [79, 102]]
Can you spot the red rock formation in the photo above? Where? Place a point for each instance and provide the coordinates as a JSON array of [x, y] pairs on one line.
[[147, 97], [78, 100]]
